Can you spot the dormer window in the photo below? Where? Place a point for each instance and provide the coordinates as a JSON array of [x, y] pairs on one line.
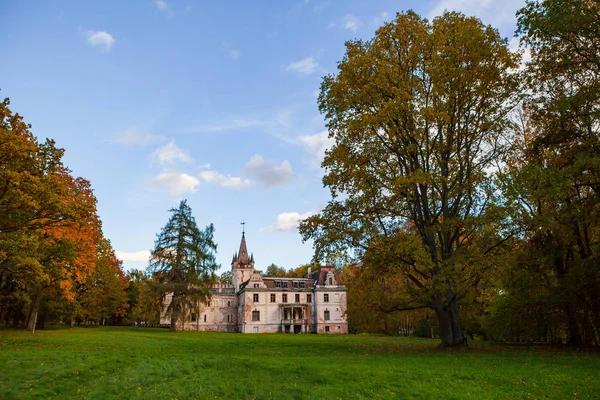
[[295, 284], [330, 279], [277, 284]]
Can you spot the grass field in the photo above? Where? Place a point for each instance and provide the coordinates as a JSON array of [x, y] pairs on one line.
[[107, 363]]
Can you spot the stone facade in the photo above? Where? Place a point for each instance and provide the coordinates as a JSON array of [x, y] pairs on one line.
[[258, 304]]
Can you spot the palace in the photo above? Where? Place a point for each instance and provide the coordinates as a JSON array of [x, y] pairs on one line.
[[258, 304]]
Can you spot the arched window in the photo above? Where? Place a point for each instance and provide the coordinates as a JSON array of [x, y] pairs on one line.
[[330, 280]]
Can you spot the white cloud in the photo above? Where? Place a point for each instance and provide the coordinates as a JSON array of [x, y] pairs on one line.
[[288, 221], [170, 153], [232, 53], [232, 124], [132, 138], [225, 181], [513, 46], [269, 172], [316, 145], [137, 256], [100, 39], [304, 67], [176, 184], [498, 13], [162, 6], [321, 6], [381, 18], [351, 22]]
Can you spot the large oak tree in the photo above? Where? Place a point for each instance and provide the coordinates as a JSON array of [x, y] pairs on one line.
[[417, 115]]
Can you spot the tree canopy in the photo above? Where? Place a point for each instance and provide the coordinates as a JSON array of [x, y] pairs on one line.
[[183, 259], [417, 115], [50, 233]]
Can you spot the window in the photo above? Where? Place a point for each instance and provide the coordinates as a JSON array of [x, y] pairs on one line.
[[326, 315], [284, 298], [229, 304], [284, 284], [204, 317], [297, 298], [295, 284], [302, 284], [193, 317], [256, 285], [326, 329], [255, 330], [255, 315], [309, 298], [255, 297], [326, 298], [277, 284], [273, 299], [330, 280], [229, 318]]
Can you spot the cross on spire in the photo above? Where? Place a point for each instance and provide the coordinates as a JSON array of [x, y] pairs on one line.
[[243, 224]]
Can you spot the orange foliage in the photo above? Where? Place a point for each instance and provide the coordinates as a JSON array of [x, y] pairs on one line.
[[79, 233]]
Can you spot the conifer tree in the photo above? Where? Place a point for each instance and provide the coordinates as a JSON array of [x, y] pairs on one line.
[[183, 259]]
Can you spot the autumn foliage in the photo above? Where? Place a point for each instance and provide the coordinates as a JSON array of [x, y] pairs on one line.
[[51, 242]]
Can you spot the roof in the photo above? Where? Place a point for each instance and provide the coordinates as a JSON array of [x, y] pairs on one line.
[[270, 282], [323, 274], [241, 257]]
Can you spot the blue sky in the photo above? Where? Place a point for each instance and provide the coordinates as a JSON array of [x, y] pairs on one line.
[[155, 101]]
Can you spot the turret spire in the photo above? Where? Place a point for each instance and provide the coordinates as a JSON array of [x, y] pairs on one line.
[[243, 253]]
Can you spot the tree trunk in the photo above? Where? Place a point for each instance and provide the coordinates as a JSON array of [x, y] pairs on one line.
[[448, 320], [174, 312], [72, 321], [575, 337], [487, 336], [33, 316]]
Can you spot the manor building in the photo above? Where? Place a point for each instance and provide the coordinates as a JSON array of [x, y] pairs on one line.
[[258, 304]]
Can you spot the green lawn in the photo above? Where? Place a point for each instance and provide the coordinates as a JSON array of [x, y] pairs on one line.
[[106, 363]]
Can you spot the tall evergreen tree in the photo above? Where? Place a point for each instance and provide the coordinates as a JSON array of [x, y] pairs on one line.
[[184, 261]]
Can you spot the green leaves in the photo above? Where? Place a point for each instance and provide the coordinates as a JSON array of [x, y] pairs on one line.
[[417, 114], [183, 259]]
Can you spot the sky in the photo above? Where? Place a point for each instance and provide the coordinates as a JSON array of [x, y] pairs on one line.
[[213, 102]]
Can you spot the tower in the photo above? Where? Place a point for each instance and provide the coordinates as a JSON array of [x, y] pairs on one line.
[[242, 266]]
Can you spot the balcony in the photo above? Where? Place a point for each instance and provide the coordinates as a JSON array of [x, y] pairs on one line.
[[294, 321]]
